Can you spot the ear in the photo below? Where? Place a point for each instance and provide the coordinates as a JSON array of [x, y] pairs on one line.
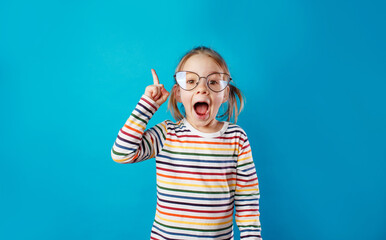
[[177, 92], [226, 94]]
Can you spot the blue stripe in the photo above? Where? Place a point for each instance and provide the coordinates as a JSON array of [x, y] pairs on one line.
[[136, 109], [246, 175], [249, 169], [181, 131], [241, 200], [143, 150], [235, 131], [120, 146], [140, 104], [127, 141], [250, 230], [159, 138], [239, 205]]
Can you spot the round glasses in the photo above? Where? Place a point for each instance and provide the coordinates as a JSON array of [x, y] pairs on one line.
[[216, 82]]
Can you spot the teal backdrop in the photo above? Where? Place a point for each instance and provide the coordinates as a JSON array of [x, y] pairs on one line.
[[314, 77]]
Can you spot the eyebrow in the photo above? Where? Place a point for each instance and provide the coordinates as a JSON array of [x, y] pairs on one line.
[[198, 74]]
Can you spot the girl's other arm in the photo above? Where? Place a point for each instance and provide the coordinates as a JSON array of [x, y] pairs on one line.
[[247, 195], [133, 143]]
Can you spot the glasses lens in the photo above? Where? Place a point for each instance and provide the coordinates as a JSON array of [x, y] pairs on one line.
[[218, 81], [187, 80]]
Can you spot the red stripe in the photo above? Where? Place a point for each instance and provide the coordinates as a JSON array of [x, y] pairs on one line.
[[250, 185], [247, 210], [128, 134], [232, 138], [193, 136], [191, 210], [149, 103], [245, 147], [246, 180]]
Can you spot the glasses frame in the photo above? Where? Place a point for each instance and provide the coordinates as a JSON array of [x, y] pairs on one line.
[[199, 79]]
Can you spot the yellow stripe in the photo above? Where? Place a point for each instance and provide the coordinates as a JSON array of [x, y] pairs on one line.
[[243, 159], [201, 148], [246, 190], [142, 127], [197, 185], [152, 149], [251, 220], [164, 127], [121, 160], [194, 223]]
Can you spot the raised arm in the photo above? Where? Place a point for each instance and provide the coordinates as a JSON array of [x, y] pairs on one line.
[[247, 195], [133, 143]]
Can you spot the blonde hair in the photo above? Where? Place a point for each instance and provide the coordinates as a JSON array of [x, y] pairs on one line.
[[234, 107]]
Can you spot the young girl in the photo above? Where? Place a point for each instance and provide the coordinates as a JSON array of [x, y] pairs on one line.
[[204, 166]]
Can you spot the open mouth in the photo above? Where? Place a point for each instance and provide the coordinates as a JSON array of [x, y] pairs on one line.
[[201, 108]]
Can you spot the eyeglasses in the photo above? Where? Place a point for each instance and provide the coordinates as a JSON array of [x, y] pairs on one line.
[[216, 82]]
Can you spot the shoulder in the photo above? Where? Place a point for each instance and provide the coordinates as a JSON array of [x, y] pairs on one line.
[[170, 126], [236, 130]]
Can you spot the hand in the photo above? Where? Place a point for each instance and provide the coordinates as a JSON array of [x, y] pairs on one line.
[[157, 92]]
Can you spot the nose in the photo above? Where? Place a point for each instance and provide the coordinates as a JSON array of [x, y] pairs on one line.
[[202, 86]]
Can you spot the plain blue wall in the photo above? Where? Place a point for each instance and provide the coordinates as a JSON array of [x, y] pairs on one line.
[[313, 73]]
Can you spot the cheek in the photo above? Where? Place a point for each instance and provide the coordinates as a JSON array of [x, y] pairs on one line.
[[218, 100], [185, 99]]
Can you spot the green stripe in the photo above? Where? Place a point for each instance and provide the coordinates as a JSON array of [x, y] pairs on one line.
[[148, 144], [118, 153], [180, 190], [201, 154], [258, 226], [161, 132], [245, 164], [140, 119], [247, 195], [193, 229]]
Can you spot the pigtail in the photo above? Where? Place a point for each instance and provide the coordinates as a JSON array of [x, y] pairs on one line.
[[234, 107], [173, 108]]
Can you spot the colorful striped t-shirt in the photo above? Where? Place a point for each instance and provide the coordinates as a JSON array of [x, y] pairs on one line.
[[201, 177]]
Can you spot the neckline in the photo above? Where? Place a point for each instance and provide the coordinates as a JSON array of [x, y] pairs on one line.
[[203, 134]]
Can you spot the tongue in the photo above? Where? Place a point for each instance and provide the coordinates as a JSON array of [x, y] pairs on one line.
[[201, 108]]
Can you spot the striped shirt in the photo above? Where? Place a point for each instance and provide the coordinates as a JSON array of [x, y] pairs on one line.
[[201, 177]]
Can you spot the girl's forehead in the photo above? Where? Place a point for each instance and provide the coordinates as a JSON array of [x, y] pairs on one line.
[[201, 64]]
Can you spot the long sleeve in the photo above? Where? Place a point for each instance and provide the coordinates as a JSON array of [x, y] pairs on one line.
[[247, 195], [133, 143]]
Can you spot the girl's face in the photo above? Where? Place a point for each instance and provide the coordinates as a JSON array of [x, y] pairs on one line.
[[202, 104]]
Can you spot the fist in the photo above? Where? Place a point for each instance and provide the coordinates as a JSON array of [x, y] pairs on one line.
[[157, 92]]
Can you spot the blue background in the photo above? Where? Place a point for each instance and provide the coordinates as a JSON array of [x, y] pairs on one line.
[[313, 73]]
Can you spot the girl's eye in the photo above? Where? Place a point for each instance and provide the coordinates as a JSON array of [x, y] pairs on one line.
[[190, 81], [213, 82]]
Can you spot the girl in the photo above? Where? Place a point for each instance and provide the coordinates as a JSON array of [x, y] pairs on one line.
[[204, 166]]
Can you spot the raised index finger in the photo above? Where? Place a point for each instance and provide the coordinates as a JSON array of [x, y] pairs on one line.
[[155, 77]]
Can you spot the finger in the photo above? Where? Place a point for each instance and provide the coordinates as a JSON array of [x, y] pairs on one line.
[[164, 91], [159, 92], [155, 77], [165, 94], [153, 92]]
